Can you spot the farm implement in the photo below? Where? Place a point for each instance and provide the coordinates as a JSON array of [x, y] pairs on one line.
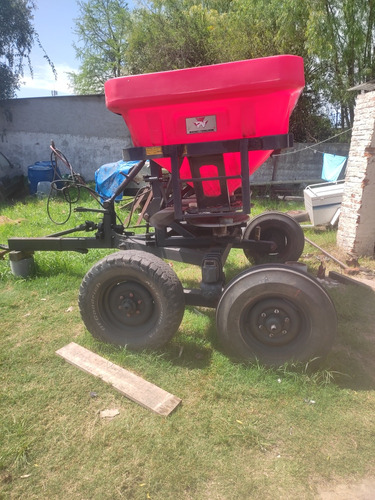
[[209, 128]]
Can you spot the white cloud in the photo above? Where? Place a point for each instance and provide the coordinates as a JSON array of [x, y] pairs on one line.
[[44, 83]]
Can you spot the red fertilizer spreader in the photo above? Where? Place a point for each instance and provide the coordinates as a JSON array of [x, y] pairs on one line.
[[204, 131]]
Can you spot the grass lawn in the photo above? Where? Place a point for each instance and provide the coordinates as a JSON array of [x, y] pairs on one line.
[[242, 432]]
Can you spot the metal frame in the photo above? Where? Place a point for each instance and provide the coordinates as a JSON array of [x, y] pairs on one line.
[[178, 239]]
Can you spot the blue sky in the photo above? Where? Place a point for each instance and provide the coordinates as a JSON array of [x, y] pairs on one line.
[[54, 21]]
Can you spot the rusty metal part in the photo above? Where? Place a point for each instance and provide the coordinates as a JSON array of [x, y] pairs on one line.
[[3, 254], [4, 250], [341, 264]]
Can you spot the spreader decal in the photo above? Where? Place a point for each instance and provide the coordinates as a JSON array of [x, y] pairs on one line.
[[201, 124]]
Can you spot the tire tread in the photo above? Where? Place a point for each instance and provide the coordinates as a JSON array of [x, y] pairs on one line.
[[154, 269]]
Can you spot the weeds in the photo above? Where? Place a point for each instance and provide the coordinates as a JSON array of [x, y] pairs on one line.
[[309, 373]]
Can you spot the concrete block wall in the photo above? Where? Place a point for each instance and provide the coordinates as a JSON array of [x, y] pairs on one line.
[[298, 163], [81, 126], [356, 231], [90, 136]]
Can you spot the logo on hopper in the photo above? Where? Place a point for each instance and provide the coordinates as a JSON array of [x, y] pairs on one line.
[[201, 124]]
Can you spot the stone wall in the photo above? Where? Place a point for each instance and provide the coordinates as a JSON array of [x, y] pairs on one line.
[[356, 232]]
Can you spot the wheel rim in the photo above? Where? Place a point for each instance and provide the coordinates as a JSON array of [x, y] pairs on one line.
[[127, 304], [278, 237], [303, 309], [272, 322], [282, 230]]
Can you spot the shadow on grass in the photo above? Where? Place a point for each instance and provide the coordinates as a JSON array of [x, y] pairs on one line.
[[63, 270], [184, 353], [187, 354], [193, 348], [354, 352], [351, 362]]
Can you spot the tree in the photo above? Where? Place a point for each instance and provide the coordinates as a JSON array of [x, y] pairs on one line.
[[336, 39], [341, 37], [102, 30], [17, 36], [172, 34]]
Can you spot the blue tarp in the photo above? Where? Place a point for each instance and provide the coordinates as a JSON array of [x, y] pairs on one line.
[[108, 177], [332, 166]]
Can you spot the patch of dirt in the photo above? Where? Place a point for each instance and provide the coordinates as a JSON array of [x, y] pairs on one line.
[[368, 280], [6, 220], [362, 490]]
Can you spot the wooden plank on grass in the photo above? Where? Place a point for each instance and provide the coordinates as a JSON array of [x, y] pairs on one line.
[[359, 281], [133, 387]]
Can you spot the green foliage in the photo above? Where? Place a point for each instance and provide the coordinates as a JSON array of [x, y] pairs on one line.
[[8, 82], [172, 34], [308, 123], [102, 30], [340, 36], [335, 38], [16, 39]]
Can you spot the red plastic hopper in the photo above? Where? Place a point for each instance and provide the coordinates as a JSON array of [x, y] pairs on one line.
[[251, 98]]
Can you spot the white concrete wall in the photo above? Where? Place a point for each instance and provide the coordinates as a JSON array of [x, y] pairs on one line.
[[90, 136], [356, 232], [81, 126]]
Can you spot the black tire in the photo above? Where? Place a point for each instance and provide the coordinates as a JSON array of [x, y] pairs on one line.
[[276, 314], [280, 228], [132, 299]]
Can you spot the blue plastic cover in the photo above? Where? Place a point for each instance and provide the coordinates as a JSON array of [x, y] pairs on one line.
[[332, 166], [108, 177]]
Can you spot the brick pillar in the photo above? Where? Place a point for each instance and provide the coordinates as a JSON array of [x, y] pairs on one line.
[[356, 231]]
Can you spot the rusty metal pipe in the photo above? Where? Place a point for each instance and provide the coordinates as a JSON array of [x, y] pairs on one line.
[[341, 264]]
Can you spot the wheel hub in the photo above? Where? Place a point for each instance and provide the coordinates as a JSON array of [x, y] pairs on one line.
[[273, 322], [278, 238], [130, 303], [130, 306]]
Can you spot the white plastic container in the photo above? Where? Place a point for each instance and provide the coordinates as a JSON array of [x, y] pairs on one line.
[[21, 265], [322, 201], [43, 189]]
